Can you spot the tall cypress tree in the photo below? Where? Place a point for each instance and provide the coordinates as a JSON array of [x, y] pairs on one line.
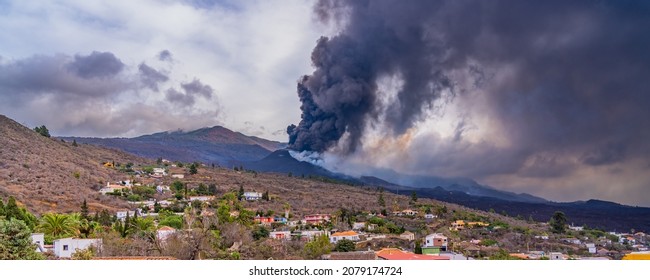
[[84, 211]]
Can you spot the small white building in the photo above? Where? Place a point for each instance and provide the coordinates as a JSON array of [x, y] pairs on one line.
[[162, 189], [204, 198], [121, 215], [178, 176], [358, 225], [39, 240], [556, 256], [308, 235], [591, 247], [160, 171], [436, 240], [65, 247], [430, 216], [576, 228], [252, 196], [165, 232], [346, 235]]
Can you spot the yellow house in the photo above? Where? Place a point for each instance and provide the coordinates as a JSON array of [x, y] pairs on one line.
[[637, 256], [461, 224], [109, 164]]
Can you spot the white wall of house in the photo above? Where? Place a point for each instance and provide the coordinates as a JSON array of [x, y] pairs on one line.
[[334, 239], [65, 247], [39, 240]]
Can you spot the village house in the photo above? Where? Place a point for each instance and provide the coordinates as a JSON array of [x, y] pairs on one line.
[[307, 235], [203, 198], [591, 247], [430, 216], [575, 241], [556, 256], [39, 240], [112, 187], [576, 228], [317, 219], [346, 235], [461, 224], [121, 215], [280, 219], [434, 244], [280, 235], [65, 247], [358, 225], [252, 196], [407, 235], [162, 189], [263, 220], [178, 175], [159, 171], [165, 232], [399, 255]]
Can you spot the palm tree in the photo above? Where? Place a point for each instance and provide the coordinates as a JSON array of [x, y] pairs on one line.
[[58, 225]]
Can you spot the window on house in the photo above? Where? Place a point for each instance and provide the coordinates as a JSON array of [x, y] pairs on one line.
[[65, 247]]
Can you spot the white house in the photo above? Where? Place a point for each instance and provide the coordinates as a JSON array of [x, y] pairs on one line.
[[112, 187], [591, 247], [164, 232], [162, 189], [160, 171], [358, 225], [39, 240], [308, 235], [178, 176], [576, 228], [281, 235], [556, 256], [65, 247], [121, 215], [204, 198], [251, 196], [430, 216], [346, 235], [436, 240]]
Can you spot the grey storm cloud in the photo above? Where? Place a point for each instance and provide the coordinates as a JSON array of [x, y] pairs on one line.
[[91, 89], [165, 55], [190, 91], [195, 87], [38, 75], [151, 77], [96, 65], [572, 77]]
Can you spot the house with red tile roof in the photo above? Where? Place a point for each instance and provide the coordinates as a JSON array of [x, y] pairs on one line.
[[395, 254]]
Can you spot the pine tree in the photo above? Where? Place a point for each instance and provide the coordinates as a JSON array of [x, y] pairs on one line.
[[381, 201], [15, 241], [558, 222], [74, 143], [84, 211], [240, 195]]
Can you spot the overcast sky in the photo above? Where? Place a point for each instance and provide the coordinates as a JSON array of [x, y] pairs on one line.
[[545, 97], [246, 56]]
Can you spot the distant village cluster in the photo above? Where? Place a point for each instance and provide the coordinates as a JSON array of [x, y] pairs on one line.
[[171, 206]]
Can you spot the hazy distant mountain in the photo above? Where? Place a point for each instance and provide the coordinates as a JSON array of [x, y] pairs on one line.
[[217, 145]]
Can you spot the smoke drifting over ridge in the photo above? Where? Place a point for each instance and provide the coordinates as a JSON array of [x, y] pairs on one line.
[[545, 89]]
